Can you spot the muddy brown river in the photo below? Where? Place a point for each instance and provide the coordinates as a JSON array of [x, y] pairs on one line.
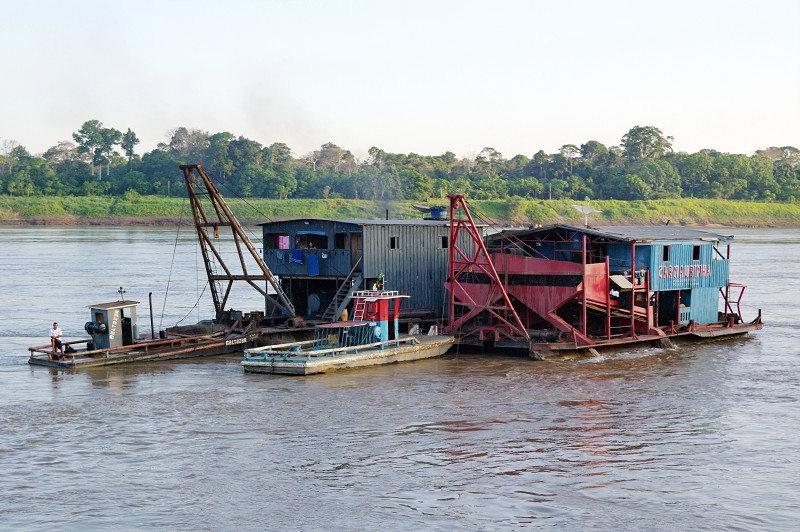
[[706, 436]]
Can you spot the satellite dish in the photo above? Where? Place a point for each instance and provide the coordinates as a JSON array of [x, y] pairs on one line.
[[586, 211]]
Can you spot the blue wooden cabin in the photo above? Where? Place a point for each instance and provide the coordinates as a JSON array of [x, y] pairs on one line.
[[687, 269]]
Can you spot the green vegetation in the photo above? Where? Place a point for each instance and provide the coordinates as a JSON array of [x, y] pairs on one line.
[[136, 209], [635, 180]]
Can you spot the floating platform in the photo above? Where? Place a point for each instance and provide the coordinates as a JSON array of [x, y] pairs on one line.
[[199, 345], [220, 342]]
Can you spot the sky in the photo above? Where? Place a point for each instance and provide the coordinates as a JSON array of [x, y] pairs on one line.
[[406, 76]]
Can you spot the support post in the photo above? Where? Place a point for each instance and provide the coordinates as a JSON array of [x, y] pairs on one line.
[[583, 306], [608, 299], [152, 327]]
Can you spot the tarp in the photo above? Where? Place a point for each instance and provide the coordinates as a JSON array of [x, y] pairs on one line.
[[313, 264]]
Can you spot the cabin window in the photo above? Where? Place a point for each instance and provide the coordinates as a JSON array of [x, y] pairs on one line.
[[341, 240], [696, 252], [394, 242], [276, 240], [311, 240], [444, 242], [665, 253]]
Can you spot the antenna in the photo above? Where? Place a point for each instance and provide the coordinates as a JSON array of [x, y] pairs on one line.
[[586, 211]]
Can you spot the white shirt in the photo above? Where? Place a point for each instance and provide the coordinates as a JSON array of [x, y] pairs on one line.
[[55, 332]]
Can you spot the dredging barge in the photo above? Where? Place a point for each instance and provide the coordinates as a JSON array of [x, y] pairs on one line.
[[553, 291], [113, 330], [563, 290]]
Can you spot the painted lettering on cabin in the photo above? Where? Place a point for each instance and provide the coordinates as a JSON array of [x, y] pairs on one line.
[[684, 272], [113, 329]]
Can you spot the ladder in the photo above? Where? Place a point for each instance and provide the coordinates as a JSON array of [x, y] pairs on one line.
[[358, 310]]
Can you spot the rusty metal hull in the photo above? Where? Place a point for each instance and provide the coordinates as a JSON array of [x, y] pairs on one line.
[[562, 350], [188, 347]]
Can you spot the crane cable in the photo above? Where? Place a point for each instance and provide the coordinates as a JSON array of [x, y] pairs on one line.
[[171, 265]]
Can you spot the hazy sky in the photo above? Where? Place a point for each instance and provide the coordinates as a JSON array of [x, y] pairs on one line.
[[422, 76]]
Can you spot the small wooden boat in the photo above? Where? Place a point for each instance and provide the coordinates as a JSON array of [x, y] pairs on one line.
[[114, 340], [372, 338]]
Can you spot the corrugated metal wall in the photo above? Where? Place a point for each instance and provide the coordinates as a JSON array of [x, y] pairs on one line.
[[705, 305], [416, 266], [681, 272]]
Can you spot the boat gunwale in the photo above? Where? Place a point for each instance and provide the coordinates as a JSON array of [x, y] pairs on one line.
[[261, 353]]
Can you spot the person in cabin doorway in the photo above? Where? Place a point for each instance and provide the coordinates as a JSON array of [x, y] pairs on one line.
[[55, 339]]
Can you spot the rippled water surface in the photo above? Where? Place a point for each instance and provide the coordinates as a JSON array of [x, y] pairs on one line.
[[702, 437]]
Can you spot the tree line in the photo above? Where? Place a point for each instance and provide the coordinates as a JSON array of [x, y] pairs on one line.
[[103, 161]]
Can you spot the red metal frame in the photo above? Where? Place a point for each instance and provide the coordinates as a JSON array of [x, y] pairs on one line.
[[726, 296], [497, 302]]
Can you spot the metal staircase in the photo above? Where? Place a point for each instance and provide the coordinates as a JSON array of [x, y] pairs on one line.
[[343, 295]]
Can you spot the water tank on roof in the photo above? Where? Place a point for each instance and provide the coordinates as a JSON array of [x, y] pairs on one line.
[[438, 213]]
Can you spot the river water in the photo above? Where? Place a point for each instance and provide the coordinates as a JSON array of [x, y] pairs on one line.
[[702, 437]]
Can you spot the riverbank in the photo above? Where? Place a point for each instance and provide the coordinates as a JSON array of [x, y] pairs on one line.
[[161, 211]]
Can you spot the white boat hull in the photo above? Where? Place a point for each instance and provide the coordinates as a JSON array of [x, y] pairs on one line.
[[288, 364]]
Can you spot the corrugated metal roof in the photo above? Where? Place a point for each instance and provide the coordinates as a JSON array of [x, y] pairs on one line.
[[114, 305], [420, 222], [661, 232], [632, 233]]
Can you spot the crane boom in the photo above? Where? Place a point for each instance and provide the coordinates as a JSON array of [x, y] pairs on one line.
[[220, 284]]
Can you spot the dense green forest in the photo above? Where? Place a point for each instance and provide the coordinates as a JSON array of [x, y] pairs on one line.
[[101, 161]]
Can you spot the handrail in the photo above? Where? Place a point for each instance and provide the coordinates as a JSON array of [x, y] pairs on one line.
[[335, 304]]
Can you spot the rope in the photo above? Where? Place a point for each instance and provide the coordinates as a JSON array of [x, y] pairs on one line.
[[234, 193], [196, 278], [490, 222], [771, 313], [254, 208], [169, 277], [196, 303]]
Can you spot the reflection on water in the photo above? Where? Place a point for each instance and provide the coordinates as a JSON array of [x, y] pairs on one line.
[[697, 437]]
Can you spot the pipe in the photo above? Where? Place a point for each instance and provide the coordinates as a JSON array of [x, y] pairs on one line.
[[152, 328]]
